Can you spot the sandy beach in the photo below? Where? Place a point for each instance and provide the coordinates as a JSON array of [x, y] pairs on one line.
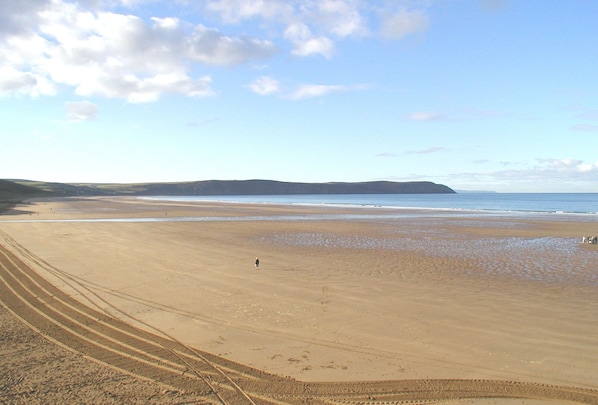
[[341, 295]]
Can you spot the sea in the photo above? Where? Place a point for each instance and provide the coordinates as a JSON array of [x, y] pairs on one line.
[[584, 205]]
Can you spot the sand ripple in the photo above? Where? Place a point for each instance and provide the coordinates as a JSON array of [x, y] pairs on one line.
[[547, 259]]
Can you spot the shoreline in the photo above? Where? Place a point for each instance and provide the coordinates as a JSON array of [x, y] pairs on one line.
[[333, 300], [212, 208], [341, 201]]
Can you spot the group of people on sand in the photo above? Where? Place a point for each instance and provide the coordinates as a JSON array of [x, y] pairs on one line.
[[590, 239]]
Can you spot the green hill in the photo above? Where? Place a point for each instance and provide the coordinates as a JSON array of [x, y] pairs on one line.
[[270, 187], [12, 191], [238, 187]]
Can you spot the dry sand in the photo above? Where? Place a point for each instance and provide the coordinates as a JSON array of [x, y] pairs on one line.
[[372, 297]]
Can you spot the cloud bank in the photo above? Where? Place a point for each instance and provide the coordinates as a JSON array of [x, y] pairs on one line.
[[564, 175], [107, 48], [80, 110]]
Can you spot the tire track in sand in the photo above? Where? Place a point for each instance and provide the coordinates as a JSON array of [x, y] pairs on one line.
[[214, 379]]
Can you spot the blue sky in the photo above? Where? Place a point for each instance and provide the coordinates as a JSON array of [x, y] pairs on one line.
[[479, 95]]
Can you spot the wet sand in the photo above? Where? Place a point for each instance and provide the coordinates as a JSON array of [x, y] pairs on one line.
[[340, 294]]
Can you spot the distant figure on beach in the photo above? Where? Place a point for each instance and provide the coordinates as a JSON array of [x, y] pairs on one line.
[[257, 263]]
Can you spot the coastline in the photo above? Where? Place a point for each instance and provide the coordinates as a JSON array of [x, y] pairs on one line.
[[321, 308], [573, 204]]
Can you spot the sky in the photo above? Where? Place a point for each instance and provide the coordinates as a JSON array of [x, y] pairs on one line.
[[492, 95]]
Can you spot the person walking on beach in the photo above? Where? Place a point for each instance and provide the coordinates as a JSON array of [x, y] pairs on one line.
[[257, 263]]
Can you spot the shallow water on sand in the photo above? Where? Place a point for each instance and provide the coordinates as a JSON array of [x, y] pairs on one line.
[[546, 259]]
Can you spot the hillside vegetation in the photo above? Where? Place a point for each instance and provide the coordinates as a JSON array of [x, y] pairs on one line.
[[12, 191]]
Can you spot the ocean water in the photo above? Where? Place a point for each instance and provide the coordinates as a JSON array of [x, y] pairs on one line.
[[583, 204]]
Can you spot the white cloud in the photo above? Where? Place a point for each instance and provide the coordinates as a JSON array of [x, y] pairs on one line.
[[426, 116], [567, 175], [311, 25], [46, 45], [403, 23], [150, 89], [264, 85], [327, 17], [112, 55], [167, 23], [569, 172], [588, 167], [120, 56], [233, 11], [211, 47], [567, 165], [306, 44], [338, 17], [13, 81], [341, 18], [315, 90], [17, 17], [321, 45], [80, 110]]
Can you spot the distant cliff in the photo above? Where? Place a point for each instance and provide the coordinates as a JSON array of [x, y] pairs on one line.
[[30, 189], [13, 191], [269, 187]]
